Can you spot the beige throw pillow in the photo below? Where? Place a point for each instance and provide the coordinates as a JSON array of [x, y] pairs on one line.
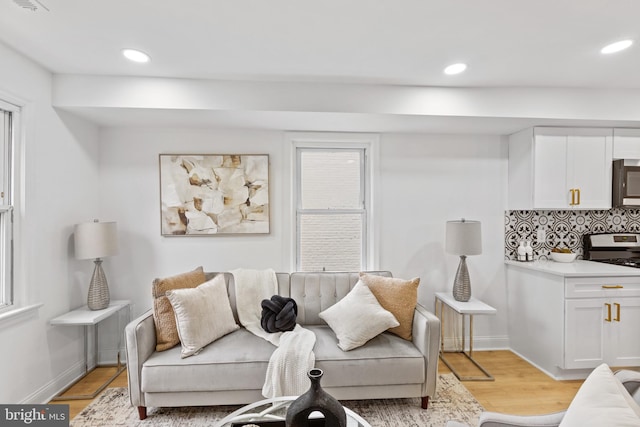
[[163, 316], [397, 296], [357, 318], [602, 401], [203, 314]]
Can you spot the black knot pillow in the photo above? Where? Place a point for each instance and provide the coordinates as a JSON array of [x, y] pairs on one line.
[[278, 314]]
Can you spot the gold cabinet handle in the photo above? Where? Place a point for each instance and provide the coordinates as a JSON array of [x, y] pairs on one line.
[[573, 197], [578, 192], [608, 318], [612, 287], [617, 318]]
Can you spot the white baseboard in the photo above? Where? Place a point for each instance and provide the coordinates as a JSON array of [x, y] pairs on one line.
[[560, 374], [72, 374], [48, 391]]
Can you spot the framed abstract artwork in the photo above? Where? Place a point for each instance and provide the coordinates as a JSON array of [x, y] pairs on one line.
[[214, 194]]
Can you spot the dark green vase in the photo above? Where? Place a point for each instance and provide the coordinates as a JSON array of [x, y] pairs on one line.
[[316, 399]]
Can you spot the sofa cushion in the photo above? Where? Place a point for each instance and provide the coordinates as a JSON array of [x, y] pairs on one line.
[[357, 318], [397, 296], [237, 361], [384, 360], [203, 314], [163, 315], [602, 400]]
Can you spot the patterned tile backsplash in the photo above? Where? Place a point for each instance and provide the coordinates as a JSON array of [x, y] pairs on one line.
[[563, 228]]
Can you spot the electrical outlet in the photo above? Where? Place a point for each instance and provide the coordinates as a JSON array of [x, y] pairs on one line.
[[542, 235]]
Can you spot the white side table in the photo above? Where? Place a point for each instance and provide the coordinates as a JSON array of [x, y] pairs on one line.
[[466, 309], [83, 316]]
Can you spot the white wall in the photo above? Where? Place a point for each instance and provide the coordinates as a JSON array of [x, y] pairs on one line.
[[58, 190], [424, 180], [130, 195]]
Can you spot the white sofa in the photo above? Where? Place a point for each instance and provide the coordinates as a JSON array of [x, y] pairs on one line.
[[597, 403], [232, 369]]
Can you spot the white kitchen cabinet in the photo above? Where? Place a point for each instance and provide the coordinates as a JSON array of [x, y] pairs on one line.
[[602, 330], [626, 144], [567, 323], [560, 168]]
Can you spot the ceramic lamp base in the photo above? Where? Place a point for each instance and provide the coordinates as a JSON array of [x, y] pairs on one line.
[[98, 297], [462, 283]]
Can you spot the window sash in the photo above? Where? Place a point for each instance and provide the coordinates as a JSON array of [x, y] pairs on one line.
[[7, 124], [6, 260], [351, 204], [5, 138], [332, 261]]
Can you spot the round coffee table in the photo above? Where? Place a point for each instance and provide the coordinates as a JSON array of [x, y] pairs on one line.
[[275, 409]]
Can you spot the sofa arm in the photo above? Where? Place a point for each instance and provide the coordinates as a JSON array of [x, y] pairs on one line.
[[631, 381], [426, 337], [494, 419], [140, 340]]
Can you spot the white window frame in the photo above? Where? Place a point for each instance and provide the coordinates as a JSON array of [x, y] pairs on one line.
[[7, 202], [368, 143]]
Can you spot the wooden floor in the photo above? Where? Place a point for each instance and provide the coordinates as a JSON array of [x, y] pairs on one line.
[[519, 388], [89, 385]]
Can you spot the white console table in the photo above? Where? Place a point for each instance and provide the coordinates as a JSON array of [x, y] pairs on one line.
[[468, 308], [83, 316]]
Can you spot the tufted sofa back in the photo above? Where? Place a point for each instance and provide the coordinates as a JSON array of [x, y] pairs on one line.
[[312, 291], [283, 288], [315, 292]]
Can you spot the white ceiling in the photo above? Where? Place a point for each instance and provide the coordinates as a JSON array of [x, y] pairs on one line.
[[506, 43]]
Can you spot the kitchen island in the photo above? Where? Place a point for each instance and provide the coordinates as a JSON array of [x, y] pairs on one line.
[[567, 318]]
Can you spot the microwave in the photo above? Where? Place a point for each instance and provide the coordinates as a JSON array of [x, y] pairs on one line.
[[626, 184]]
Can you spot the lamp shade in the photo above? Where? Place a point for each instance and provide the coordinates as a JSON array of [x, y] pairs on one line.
[[95, 239], [464, 237]]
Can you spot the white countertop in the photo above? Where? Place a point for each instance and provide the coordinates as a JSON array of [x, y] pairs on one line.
[[578, 268]]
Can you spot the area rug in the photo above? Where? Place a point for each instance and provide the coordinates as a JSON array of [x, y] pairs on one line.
[[452, 402]]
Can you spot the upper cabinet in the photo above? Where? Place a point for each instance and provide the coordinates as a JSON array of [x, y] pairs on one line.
[[560, 168], [626, 144]]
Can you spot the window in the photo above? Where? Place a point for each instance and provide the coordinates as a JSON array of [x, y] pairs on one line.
[[332, 204], [7, 125]]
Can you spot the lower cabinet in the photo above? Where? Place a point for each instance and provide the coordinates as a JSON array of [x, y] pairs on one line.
[[567, 326], [602, 330]]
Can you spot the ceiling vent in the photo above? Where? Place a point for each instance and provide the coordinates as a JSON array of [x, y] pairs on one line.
[[32, 5]]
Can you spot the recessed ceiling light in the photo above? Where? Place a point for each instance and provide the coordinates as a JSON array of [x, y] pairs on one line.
[[135, 55], [455, 68], [616, 47]]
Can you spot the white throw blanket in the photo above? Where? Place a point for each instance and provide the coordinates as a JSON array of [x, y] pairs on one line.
[[294, 357]]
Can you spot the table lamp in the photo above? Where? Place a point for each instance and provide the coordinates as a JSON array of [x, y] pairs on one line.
[[463, 238], [96, 240]]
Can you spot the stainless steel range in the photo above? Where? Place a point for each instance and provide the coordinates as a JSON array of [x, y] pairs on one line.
[[613, 248]]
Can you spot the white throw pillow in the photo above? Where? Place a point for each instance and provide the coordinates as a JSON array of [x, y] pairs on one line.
[[601, 401], [357, 318], [203, 314]]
